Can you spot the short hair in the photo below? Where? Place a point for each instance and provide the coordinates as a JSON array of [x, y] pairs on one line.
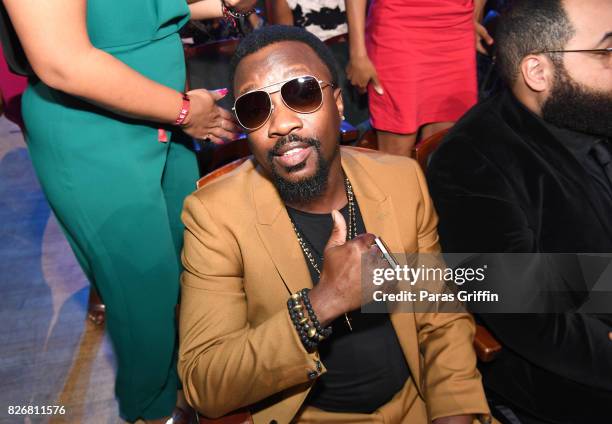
[[271, 34], [526, 27]]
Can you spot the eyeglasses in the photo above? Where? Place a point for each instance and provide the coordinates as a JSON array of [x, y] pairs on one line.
[[605, 51], [302, 94]]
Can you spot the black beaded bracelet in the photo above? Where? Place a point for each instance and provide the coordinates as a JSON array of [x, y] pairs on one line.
[[231, 11], [299, 321], [308, 333], [323, 332]]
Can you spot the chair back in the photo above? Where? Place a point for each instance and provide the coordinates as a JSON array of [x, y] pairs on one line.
[[426, 147], [368, 140], [220, 171]]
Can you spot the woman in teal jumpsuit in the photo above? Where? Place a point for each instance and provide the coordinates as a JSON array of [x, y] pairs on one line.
[[111, 77]]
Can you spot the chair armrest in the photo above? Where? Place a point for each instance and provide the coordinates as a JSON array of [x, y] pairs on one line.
[[487, 348]]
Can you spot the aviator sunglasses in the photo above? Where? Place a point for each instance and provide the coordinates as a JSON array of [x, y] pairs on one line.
[[302, 94]]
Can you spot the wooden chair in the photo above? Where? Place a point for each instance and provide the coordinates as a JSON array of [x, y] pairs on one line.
[[349, 133], [220, 171], [426, 147], [368, 140], [420, 152]]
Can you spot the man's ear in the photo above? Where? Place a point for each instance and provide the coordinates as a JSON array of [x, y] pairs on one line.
[[538, 72], [339, 101]]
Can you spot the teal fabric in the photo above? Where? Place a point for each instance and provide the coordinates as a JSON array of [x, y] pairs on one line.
[[117, 193]]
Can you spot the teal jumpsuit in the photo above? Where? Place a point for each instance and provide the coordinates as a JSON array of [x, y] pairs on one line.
[[118, 192]]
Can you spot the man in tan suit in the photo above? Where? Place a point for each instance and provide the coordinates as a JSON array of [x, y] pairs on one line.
[[295, 214]]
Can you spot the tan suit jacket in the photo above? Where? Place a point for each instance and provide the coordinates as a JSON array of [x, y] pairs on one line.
[[238, 346]]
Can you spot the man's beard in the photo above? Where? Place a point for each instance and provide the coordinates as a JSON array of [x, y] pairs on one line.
[[573, 106], [307, 189]]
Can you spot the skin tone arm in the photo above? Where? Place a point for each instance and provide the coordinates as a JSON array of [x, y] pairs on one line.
[[281, 12], [482, 35], [360, 70], [208, 9], [80, 69]]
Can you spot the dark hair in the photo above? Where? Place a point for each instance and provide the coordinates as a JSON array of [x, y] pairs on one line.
[[267, 35], [526, 27]]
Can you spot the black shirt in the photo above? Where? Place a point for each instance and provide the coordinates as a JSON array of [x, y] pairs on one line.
[[581, 146], [365, 367]]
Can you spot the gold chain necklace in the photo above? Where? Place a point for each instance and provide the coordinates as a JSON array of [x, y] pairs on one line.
[[351, 233]]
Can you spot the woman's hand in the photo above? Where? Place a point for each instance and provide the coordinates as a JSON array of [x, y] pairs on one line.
[[482, 36], [361, 72], [206, 119], [241, 5]]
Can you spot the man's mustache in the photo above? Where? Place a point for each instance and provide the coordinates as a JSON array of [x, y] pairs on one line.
[[292, 138]]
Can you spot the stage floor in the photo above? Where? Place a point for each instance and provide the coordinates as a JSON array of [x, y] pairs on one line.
[[50, 354]]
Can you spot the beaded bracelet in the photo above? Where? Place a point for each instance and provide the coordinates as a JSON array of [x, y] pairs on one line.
[[310, 333], [323, 332], [231, 14]]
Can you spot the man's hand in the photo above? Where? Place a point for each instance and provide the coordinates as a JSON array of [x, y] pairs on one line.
[[457, 419], [339, 288]]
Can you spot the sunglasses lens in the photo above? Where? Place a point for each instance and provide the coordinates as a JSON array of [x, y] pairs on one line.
[[253, 109], [302, 94]]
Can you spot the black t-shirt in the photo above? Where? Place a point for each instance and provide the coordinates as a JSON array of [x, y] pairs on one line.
[[365, 367]]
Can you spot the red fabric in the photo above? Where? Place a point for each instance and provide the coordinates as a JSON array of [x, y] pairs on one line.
[[11, 88], [425, 56]]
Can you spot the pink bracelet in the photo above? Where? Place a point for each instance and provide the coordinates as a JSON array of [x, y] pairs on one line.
[[184, 110]]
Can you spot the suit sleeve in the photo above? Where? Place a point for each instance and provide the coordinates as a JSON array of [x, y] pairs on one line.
[[479, 212], [224, 362], [452, 383]]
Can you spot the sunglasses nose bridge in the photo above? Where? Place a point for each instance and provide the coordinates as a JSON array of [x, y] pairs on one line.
[[282, 118]]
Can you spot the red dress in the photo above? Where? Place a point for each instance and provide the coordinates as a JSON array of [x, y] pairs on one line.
[[425, 56]]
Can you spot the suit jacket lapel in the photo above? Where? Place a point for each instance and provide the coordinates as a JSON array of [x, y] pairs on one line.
[[274, 228], [379, 218]]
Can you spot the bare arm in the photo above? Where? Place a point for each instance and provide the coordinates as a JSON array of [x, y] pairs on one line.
[[356, 16], [281, 12], [360, 70], [209, 9], [80, 69], [482, 35], [479, 6]]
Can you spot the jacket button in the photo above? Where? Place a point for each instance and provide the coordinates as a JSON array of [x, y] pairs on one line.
[[312, 375]]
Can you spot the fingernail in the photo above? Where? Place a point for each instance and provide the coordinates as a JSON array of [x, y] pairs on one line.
[[379, 90], [223, 91]]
